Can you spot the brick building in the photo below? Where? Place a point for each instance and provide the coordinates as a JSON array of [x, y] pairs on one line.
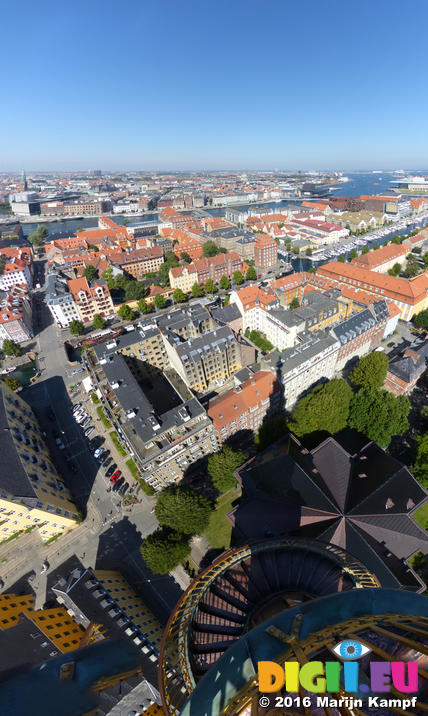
[[265, 252]]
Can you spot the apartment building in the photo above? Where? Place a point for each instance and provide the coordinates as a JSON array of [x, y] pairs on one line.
[[265, 252], [60, 300], [16, 267], [205, 268], [91, 298], [157, 418], [52, 630], [138, 262], [405, 370], [187, 321], [91, 206], [16, 320], [312, 360], [32, 493], [410, 295], [383, 258], [322, 231], [360, 333], [246, 406], [206, 360]]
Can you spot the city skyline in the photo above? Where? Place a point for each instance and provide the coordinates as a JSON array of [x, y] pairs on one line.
[[257, 86]]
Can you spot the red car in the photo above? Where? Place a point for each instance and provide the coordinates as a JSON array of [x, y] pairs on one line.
[[115, 476]]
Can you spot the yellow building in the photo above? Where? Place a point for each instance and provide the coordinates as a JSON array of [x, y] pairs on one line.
[[183, 277], [32, 494], [55, 624], [132, 605]]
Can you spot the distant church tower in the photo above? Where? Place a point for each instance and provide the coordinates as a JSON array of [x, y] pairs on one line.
[[24, 180]]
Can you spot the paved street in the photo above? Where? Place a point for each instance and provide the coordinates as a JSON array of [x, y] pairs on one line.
[[108, 538]]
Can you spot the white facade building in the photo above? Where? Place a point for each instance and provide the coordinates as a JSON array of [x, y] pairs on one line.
[[60, 301]]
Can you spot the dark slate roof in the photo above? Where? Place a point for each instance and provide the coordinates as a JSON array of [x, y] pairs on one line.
[[13, 477], [362, 502], [227, 314], [354, 326], [413, 362]]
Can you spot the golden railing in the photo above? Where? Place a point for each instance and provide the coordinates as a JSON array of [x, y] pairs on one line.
[[176, 679]]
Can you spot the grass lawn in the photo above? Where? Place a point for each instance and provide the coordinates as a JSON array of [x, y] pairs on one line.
[[219, 528], [421, 516]]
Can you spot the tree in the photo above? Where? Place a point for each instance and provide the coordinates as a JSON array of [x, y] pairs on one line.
[[421, 319], [379, 415], [308, 252], [10, 347], [126, 312], [341, 259], [197, 290], [425, 259], [79, 228], [92, 247], [39, 236], [134, 290], [221, 466], [365, 250], [179, 296], [210, 248], [295, 303], [143, 306], [164, 549], [185, 256], [107, 275], [325, 408], [270, 431], [11, 383], [251, 274], [226, 300], [396, 239], [420, 467], [76, 327], [159, 300], [375, 247], [225, 283], [209, 286], [238, 277], [412, 266], [395, 270], [98, 321], [183, 510], [370, 371], [125, 222], [353, 254]]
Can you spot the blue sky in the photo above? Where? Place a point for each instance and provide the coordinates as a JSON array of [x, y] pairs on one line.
[[158, 84]]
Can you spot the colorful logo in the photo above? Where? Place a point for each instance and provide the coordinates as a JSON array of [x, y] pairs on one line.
[[320, 677]]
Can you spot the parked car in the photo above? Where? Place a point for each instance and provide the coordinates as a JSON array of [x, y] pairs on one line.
[[98, 452], [111, 470], [115, 476], [77, 370], [118, 483], [123, 489], [89, 431], [106, 462]]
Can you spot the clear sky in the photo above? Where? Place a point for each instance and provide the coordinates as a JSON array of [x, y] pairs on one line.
[[170, 84]]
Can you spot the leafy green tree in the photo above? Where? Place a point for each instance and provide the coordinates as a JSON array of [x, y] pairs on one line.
[[221, 466], [397, 239], [424, 414], [125, 222], [143, 306], [238, 277], [375, 247], [183, 510], [412, 266], [179, 296], [425, 259], [107, 275], [135, 290], [10, 347], [370, 371], [420, 467], [270, 431], [90, 273], [341, 259], [185, 256], [210, 248], [222, 250], [251, 274], [365, 250], [39, 236], [312, 270], [93, 247], [98, 321], [308, 251], [421, 319], [227, 300], [395, 270], [295, 303], [126, 312], [325, 408], [224, 282], [160, 300], [164, 549], [79, 228], [209, 286], [353, 254], [76, 327], [11, 383], [197, 290], [379, 415]]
